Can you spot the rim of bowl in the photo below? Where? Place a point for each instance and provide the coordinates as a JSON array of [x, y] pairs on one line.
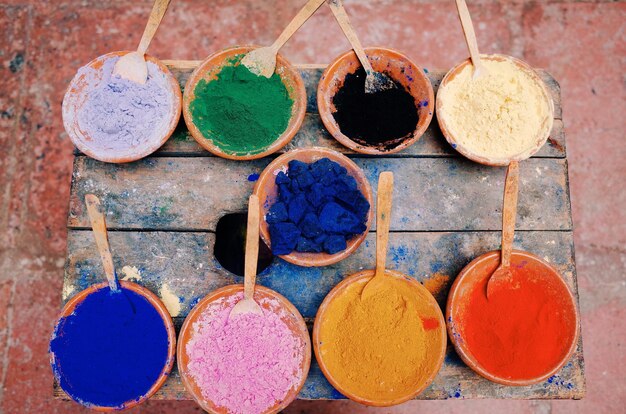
[[186, 334], [342, 286], [78, 136], [462, 350], [297, 113], [167, 321], [544, 132], [324, 100], [267, 181]]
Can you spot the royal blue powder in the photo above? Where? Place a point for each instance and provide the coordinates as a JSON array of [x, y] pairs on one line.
[[111, 349], [319, 208]]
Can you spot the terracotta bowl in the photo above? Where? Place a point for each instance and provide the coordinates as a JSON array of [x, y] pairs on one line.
[[75, 98], [295, 322], [434, 362], [267, 190], [541, 137], [400, 69], [481, 268], [211, 67], [77, 299]]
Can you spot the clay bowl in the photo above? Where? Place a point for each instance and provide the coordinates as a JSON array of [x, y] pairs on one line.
[[295, 322], [267, 190], [400, 69], [540, 138], [211, 67], [438, 335], [75, 98], [77, 299], [475, 272]]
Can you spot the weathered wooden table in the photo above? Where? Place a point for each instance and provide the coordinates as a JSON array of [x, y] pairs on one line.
[[162, 212]]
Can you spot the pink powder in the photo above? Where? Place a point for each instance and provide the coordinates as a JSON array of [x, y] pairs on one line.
[[246, 364]]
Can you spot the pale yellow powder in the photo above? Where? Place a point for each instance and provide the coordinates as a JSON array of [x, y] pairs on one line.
[[170, 300], [502, 114]]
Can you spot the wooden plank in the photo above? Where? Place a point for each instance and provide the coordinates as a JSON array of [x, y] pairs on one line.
[[184, 262], [431, 194], [313, 132]]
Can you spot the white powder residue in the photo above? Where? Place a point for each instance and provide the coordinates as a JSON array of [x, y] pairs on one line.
[[131, 273]]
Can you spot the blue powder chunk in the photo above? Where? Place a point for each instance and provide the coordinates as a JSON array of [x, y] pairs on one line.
[[111, 349], [305, 180], [285, 193], [321, 239], [298, 208], [294, 187], [335, 219], [296, 168], [335, 244], [282, 178], [277, 213], [284, 237], [308, 246], [316, 195], [310, 226], [321, 167]]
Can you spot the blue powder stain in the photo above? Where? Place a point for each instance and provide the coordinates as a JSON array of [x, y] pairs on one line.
[[253, 177], [457, 394], [336, 395], [110, 350], [425, 70], [453, 145]]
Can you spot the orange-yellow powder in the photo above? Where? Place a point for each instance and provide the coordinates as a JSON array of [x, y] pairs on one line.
[[385, 347], [436, 283]]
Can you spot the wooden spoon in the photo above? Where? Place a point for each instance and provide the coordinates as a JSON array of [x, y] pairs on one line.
[[502, 276], [470, 38], [374, 81], [98, 224], [248, 304], [133, 66], [262, 61], [383, 217]]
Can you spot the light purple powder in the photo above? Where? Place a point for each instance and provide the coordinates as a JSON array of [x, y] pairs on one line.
[[115, 115]]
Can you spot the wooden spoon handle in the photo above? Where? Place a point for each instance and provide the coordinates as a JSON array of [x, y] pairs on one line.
[[336, 6], [98, 224], [509, 212], [468, 31], [156, 15], [303, 15], [252, 247], [383, 217]]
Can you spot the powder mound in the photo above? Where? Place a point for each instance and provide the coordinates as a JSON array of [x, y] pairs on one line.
[[111, 349], [382, 119], [247, 364], [501, 114], [240, 112], [521, 332], [384, 347], [118, 114], [319, 209]]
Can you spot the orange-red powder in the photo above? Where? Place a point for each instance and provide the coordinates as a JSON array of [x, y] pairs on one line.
[[521, 332]]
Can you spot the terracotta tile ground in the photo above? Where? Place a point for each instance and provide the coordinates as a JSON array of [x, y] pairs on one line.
[[43, 42]]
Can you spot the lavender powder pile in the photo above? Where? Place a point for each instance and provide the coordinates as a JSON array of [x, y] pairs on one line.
[[114, 114]]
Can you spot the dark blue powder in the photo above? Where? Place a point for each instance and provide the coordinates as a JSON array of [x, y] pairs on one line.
[[111, 349], [319, 208]]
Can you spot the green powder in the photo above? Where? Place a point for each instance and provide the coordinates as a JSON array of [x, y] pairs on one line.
[[242, 113]]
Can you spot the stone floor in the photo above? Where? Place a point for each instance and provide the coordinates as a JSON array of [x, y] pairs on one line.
[[42, 43]]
